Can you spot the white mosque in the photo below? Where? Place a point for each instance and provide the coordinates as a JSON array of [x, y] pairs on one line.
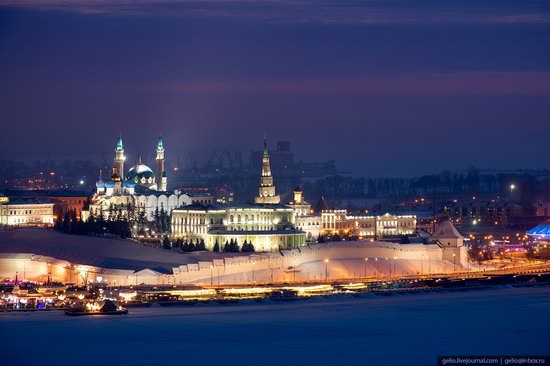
[[140, 187]]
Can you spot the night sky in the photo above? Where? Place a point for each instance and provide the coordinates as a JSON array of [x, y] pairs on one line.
[[387, 87]]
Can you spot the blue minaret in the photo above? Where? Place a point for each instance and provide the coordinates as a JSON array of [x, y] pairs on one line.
[[119, 158], [162, 181]]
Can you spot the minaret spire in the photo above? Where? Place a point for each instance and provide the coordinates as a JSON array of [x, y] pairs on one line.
[[119, 157], [162, 182]]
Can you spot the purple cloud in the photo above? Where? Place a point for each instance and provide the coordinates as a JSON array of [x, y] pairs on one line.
[[311, 11]]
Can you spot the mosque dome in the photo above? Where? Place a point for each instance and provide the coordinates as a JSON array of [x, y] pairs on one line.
[[140, 174]]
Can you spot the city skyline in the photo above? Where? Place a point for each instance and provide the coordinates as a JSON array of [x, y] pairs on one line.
[[272, 182]]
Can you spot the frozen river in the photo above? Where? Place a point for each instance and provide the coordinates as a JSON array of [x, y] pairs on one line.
[[369, 330]]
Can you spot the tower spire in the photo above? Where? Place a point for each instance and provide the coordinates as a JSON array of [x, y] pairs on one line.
[[119, 144], [267, 193]]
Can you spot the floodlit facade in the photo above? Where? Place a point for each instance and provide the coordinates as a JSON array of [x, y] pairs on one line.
[[253, 223], [311, 225], [364, 225], [26, 212]]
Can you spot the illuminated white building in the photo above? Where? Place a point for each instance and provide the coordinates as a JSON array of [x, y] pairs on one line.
[[311, 225], [305, 219], [364, 225], [268, 227], [26, 212]]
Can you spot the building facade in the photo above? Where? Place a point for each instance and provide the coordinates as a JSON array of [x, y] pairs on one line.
[[269, 228], [63, 200], [26, 211], [483, 212], [367, 226], [252, 222]]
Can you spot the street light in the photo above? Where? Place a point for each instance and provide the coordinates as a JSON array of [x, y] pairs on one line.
[[253, 276], [454, 263], [326, 269], [394, 260], [512, 187], [366, 260], [211, 275], [377, 270]]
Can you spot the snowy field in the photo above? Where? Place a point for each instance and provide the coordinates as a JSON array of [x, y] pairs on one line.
[[94, 251], [369, 330]]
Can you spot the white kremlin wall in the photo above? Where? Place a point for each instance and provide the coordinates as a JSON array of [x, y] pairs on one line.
[[345, 260], [315, 262]]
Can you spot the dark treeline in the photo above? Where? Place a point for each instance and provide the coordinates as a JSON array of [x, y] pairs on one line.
[[117, 225], [184, 245], [531, 186], [232, 246], [190, 245], [117, 222]]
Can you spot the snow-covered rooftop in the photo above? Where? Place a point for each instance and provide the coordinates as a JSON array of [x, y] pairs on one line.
[[446, 230]]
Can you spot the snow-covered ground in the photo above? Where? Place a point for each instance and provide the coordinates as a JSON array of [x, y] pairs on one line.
[[94, 251], [369, 330]]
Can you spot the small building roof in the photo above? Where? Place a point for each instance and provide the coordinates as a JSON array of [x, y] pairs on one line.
[[29, 201], [446, 230], [321, 205]]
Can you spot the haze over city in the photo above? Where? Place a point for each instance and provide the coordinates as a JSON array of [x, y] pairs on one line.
[[395, 88]]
